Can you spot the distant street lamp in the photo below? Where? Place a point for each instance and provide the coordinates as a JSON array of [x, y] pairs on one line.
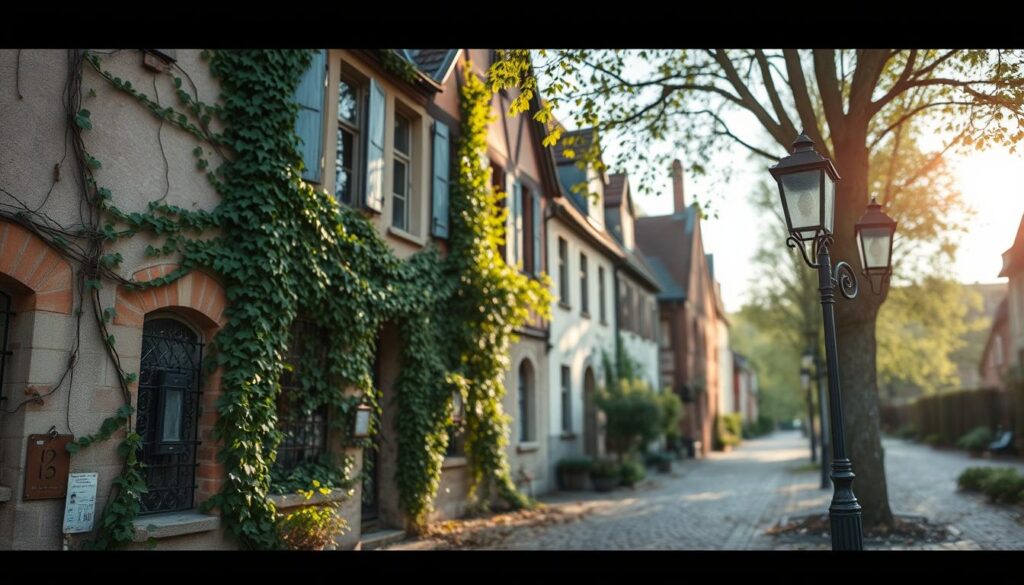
[[806, 183], [805, 383]]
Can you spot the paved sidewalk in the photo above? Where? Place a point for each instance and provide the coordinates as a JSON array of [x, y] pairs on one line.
[[728, 500]]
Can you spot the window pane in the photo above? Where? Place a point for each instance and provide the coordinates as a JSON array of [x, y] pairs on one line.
[[172, 419], [400, 183], [344, 163], [401, 134], [348, 103]]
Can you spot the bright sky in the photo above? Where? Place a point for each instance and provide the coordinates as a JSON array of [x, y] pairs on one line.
[[990, 182]]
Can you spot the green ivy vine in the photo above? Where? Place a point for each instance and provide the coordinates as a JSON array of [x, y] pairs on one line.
[[284, 249]]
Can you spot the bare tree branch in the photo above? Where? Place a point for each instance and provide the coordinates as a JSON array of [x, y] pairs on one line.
[[896, 89], [802, 99], [773, 95], [870, 64], [831, 99], [750, 102]]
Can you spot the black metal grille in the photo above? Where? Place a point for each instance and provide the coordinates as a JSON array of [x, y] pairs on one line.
[[305, 434], [5, 316], [169, 393]]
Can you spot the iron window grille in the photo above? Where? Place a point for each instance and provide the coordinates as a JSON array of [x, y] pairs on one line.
[[304, 434], [168, 405]]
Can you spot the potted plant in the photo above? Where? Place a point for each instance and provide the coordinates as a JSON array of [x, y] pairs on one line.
[[572, 473], [313, 526], [631, 472], [606, 475], [662, 462]]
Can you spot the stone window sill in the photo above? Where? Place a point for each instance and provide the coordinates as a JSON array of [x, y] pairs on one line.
[[173, 524], [284, 501], [568, 436], [565, 306], [528, 447], [404, 235], [5, 494], [453, 462]]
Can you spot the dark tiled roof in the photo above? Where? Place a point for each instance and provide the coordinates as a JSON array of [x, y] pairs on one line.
[[669, 240], [615, 190], [640, 268], [670, 289], [433, 62]]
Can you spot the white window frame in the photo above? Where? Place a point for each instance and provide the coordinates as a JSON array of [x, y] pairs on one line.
[[405, 158]]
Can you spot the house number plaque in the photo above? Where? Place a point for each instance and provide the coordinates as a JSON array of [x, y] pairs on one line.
[[47, 465]]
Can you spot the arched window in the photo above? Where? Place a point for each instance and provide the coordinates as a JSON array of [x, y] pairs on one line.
[[168, 409], [525, 401]]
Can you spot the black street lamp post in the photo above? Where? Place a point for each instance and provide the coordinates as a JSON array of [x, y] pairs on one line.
[[806, 183]]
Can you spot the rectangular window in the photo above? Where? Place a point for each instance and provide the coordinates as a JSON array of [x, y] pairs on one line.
[[584, 287], [524, 229], [351, 120], [627, 309], [600, 293], [566, 401], [563, 272], [402, 186]]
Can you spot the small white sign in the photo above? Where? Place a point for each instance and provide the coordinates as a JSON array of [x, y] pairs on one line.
[[80, 505]]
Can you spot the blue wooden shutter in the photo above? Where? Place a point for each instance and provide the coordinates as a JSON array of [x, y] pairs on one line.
[[535, 201], [310, 124], [375, 150], [439, 225]]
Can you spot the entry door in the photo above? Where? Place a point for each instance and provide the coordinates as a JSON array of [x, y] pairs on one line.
[[371, 485]]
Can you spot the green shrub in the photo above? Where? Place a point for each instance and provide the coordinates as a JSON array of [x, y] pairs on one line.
[[634, 414], [728, 428], [1003, 485], [973, 477], [671, 413], [575, 465], [312, 527], [933, 439], [605, 468], [632, 472], [907, 432], [976, 440]]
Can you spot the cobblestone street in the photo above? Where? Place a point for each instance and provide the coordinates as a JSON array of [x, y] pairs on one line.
[[729, 500]]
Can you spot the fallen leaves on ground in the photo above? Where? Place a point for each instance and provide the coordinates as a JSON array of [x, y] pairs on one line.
[[483, 532]]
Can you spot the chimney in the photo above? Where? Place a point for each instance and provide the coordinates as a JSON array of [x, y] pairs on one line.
[[677, 186]]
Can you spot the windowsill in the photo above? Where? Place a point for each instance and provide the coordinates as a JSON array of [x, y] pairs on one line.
[[453, 462], [604, 322], [173, 524], [584, 314], [284, 501], [5, 494], [567, 436], [404, 235], [527, 447], [565, 306]]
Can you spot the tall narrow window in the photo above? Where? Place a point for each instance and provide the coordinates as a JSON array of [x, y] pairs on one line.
[[525, 235], [525, 400], [566, 400], [563, 272], [304, 428], [349, 156], [627, 309], [402, 185], [601, 294], [584, 287], [168, 408]]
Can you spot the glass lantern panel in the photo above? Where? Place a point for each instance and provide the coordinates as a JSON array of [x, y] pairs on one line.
[[875, 247], [803, 199], [174, 399], [830, 202]]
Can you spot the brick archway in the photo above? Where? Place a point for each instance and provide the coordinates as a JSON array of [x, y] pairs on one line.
[[200, 297], [198, 292], [37, 269]]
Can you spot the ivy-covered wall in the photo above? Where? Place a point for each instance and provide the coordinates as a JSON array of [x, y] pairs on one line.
[[279, 248]]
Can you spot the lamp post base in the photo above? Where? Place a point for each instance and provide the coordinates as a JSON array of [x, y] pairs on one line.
[[845, 512]]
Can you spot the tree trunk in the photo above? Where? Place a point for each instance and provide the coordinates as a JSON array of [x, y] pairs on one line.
[[855, 332]]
